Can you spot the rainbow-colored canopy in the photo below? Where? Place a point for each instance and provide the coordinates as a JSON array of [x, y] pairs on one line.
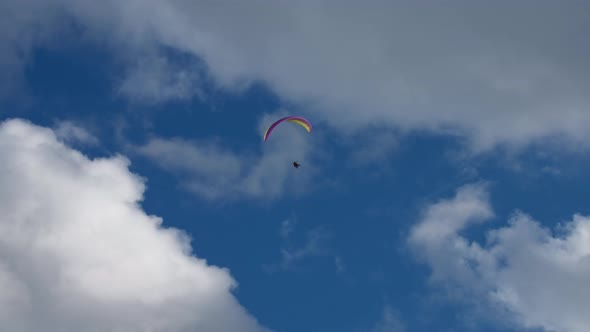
[[295, 119]]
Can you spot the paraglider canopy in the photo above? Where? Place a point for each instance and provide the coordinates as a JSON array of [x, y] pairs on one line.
[[295, 119]]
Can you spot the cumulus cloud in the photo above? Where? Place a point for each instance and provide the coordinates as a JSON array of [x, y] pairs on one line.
[[449, 66], [539, 276], [78, 253], [214, 172]]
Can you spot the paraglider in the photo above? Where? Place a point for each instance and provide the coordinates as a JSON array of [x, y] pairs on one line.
[[295, 119]]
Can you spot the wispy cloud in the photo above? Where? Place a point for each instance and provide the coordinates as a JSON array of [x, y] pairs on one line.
[[211, 171], [71, 133], [287, 227], [509, 83], [339, 262], [314, 245], [390, 321], [294, 252], [373, 147], [540, 278], [156, 79], [205, 168]]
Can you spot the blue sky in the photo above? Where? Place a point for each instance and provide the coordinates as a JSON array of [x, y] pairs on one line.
[[443, 186]]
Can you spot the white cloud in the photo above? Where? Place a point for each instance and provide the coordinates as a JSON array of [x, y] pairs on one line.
[[77, 252], [453, 66], [540, 277], [209, 170]]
